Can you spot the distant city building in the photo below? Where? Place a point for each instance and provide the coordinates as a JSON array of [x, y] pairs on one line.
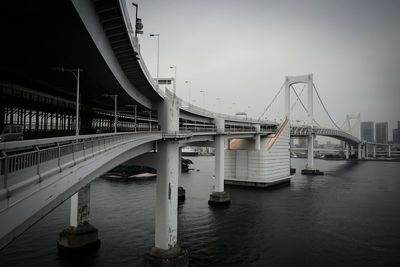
[[342, 144], [315, 143], [396, 136], [381, 132], [328, 144], [302, 142], [367, 131]]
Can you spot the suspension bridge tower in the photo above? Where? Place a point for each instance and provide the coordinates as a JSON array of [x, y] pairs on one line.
[[308, 80]]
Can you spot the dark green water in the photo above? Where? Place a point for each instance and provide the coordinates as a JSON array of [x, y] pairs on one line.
[[349, 217]]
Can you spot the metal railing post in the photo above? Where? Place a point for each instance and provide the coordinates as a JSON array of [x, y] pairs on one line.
[[73, 153], [5, 171], [38, 163], [59, 155]]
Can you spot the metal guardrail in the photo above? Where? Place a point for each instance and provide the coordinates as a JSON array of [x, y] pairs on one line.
[[30, 162]]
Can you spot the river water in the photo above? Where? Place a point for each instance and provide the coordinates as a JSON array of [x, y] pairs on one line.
[[348, 217]]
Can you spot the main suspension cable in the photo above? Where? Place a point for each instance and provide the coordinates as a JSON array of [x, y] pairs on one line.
[[301, 92], [301, 102], [266, 109], [326, 111]]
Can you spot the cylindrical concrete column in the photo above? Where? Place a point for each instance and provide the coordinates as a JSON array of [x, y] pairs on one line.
[[219, 163], [257, 138], [347, 150], [374, 151], [359, 151], [219, 196], [80, 206], [167, 194], [310, 152], [168, 165], [80, 235], [310, 101], [389, 151]]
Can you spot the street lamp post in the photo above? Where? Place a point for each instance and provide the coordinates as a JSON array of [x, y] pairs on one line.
[[138, 22], [174, 67], [204, 98], [158, 52], [190, 88], [76, 72], [115, 110]]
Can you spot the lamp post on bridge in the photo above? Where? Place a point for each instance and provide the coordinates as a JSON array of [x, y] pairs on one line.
[[115, 110], [76, 72], [190, 88], [138, 22], [174, 67], [158, 53]]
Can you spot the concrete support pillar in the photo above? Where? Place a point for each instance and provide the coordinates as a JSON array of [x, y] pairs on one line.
[[80, 206], [366, 150], [257, 141], [180, 162], [359, 151], [310, 102], [167, 195], [166, 251], [310, 152], [389, 151], [347, 150], [181, 190], [374, 151], [80, 235], [310, 170], [219, 163], [219, 196]]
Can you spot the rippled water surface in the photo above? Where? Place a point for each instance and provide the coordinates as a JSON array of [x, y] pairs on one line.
[[349, 217]]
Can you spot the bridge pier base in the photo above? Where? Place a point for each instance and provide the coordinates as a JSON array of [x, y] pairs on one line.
[[347, 151], [219, 197], [80, 235], [310, 170]]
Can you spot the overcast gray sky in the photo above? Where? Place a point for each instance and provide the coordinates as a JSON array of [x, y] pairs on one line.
[[240, 51]]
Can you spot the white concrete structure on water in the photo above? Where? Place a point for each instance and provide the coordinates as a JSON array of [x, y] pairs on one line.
[[259, 163]]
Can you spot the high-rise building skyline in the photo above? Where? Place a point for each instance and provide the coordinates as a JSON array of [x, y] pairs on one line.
[[367, 131], [381, 132], [396, 134]]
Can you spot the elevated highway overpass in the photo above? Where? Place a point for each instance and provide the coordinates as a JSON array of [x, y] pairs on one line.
[[97, 36]]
